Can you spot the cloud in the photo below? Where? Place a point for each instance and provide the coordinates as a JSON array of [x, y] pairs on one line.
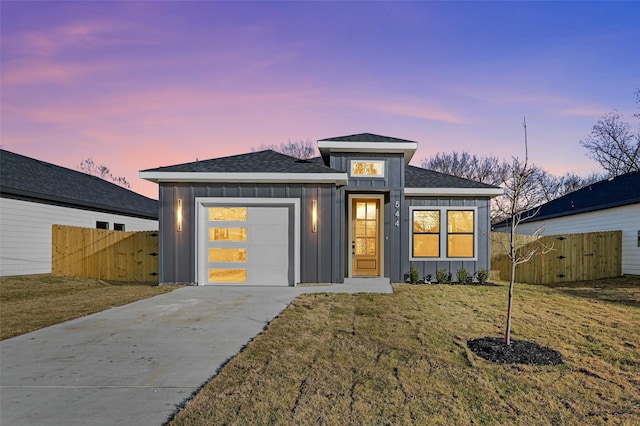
[[584, 111], [408, 108]]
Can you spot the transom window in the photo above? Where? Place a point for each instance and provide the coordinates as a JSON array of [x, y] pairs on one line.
[[367, 168], [442, 233]]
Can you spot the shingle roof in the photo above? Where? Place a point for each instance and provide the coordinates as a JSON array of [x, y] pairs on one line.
[[365, 137], [267, 161], [28, 178], [619, 191], [417, 177]]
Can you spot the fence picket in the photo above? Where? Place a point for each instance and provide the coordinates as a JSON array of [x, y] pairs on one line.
[[575, 257], [103, 254]]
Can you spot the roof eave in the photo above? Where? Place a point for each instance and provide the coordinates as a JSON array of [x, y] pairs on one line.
[[453, 192], [337, 178], [407, 149]]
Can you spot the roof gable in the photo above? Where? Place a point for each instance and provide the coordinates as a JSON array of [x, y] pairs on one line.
[[366, 137], [266, 161], [262, 166], [28, 178], [615, 192], [425, 182], [367, 143]]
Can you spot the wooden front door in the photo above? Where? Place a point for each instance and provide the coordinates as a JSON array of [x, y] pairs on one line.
[[365, 232]]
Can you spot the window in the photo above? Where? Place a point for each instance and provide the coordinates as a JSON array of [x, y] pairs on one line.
[[426, 233], [118, 226], [227, 234], [227, 255], [367, 168], [440, 233], [238, 214], [102, 225], [227, 275], [460, 230]]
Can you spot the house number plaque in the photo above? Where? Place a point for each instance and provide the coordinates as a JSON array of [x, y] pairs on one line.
[[397, 214]]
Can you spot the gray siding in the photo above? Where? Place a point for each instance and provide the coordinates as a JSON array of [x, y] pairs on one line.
[[429, 267], [177, 249], [324, 255], [392, 186]]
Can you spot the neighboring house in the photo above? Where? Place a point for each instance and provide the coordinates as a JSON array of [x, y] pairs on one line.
[[359, 210], [609, 205], [36, 195]]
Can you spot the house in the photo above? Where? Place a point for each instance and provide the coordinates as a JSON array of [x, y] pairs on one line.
[[34, 195], [609, 205], [359, 210]]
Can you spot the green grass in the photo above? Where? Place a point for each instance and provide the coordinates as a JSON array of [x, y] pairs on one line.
[[28, 303], [402, 359]]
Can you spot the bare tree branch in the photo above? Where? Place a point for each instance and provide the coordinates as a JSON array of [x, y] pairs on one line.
[[299, 149], [89, 167]]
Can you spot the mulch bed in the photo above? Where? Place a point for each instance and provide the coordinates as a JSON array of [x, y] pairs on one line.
[[519, 352]]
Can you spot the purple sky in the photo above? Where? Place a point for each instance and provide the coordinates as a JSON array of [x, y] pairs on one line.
[[137, 85]]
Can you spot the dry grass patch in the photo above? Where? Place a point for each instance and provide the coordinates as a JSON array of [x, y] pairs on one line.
[[28, 303], [403, 359]]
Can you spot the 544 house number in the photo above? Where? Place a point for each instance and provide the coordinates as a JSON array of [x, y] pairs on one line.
[[397, 214]]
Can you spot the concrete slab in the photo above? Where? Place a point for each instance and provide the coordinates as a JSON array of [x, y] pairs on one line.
[[136, 363]]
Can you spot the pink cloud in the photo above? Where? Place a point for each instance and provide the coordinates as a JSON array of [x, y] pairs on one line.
[[408, 108]]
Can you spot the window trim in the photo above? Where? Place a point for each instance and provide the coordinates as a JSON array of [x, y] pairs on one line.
[[444, 233], [382, 163]]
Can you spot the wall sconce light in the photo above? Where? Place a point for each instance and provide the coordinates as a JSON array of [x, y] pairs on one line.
[[314, 216], [179, 216]]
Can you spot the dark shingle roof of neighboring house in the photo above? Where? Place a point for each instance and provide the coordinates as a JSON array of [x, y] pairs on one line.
[[417, 177], [619, 191], [30, 179], [365, 137], [605, 194], [267, 161]]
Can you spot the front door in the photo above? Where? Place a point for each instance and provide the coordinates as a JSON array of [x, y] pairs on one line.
[[365, 237]]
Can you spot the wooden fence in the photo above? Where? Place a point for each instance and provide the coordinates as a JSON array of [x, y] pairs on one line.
[[575, 257], [103, 254]]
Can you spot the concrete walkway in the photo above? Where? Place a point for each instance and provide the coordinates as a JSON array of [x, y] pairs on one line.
[[135, 364]]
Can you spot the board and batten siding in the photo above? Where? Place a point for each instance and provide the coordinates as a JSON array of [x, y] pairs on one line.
[[624, 218], [429, 267], [318, 262], [25, 232]]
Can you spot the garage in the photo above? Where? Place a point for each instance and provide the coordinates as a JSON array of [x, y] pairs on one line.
[[250, 243]]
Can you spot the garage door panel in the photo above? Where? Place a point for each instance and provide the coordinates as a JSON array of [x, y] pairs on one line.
[[266, 275], [266, 255], [260, 246]]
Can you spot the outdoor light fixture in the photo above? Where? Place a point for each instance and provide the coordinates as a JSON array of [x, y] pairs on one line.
[[179, 215], [314, 216]]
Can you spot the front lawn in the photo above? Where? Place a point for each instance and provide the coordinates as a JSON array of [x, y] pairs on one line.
[[28, 303], [403, 359]]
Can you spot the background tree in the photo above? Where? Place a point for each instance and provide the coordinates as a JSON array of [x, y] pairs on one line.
[[486, 169], [543, 186], [519, 203], [614, 144], [89, 167], [299, 149]]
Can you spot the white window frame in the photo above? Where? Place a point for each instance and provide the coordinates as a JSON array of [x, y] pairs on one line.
[[381, 163], [444, 233], [203, 203]]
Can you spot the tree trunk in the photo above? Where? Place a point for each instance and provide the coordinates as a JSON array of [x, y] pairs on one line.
[[512, 246]]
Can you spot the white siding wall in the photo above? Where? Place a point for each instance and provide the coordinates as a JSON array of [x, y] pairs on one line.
[[625, 219], [25, 232]]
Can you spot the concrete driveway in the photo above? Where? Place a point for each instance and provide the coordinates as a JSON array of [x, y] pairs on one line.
[[136, 363]]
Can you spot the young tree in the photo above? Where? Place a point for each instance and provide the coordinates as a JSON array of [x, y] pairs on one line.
[[519, 203], [299, 149], [89, 167]]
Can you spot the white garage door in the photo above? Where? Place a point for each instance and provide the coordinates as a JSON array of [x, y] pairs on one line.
[[247, 246]]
